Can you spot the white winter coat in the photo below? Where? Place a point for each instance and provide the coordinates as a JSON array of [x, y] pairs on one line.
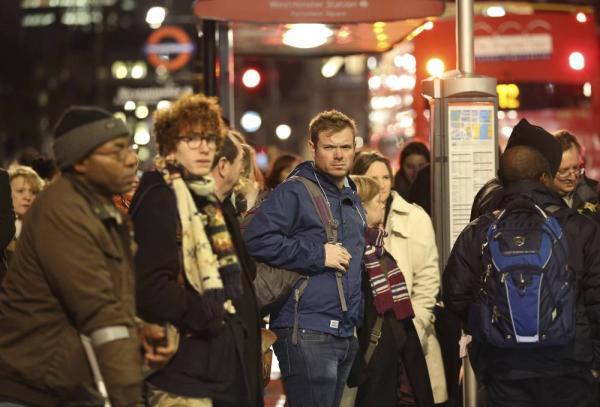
[[411, 241]]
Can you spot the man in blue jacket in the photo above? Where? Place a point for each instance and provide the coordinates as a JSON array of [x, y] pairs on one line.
[[287, 232]]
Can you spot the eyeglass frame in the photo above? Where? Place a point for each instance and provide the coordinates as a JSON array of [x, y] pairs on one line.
[[119, 155], [194, 140], [566, 173]]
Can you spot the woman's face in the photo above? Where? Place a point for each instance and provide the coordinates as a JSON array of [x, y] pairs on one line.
[[375, 211], [412, 164], [22, 195], [379, 171], [287, 170]]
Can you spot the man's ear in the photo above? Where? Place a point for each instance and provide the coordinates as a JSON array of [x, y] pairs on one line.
[[82, 166], [546, 180], [313, 148], [222, 166]]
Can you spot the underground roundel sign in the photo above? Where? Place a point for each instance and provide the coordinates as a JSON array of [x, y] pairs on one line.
[[170, 47]]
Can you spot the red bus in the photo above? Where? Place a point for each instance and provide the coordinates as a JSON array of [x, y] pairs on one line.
[[545, 59]]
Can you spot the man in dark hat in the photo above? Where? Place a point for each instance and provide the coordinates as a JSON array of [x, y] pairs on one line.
[[520, 369], [68, 333], [523, 134]]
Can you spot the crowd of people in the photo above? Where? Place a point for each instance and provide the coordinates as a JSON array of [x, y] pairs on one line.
[[136, 291]]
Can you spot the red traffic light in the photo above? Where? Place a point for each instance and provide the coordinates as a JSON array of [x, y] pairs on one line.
[[251, 78]]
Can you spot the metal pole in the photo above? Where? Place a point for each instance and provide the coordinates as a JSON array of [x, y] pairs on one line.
[[469, 384], [226, 72], [464, 36], [209, 57], [465, 50]]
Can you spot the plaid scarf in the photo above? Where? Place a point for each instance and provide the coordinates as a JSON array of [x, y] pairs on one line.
[[389, 291], [209, 260]]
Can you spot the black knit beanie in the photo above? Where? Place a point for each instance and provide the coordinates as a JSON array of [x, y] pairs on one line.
[[80, 130], [527, 134]]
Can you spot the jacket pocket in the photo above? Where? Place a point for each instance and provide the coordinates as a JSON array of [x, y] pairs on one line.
[[208, 360]]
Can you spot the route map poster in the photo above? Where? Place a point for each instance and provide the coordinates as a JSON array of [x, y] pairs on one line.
[[471, 153]]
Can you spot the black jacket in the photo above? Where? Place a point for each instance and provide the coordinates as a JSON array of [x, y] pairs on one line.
[[247, 309], [398, 347], [7, 219], [208, 361], [461, 282], [487, 198]]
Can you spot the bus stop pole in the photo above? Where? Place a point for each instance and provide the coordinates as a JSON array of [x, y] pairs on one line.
[[465, 54], [464, 36], [209, 57], [226, 71]]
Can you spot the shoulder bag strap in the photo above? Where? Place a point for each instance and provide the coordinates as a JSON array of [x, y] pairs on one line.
[[374, 338], [322, 208], [324, 211], [375, 334]]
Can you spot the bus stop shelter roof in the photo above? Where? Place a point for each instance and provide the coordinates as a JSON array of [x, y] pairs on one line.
[[355, 26]]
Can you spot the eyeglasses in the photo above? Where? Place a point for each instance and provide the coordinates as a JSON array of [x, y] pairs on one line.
[[119, 154], [194, 141], [567, 172]]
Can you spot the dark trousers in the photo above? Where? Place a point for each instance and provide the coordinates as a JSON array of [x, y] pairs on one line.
[[561, 391], [315, 370]]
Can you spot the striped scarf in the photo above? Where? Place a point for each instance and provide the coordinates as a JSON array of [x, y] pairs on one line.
[[387, 281]]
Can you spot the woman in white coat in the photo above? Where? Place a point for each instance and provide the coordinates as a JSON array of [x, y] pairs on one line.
[[411, 240]]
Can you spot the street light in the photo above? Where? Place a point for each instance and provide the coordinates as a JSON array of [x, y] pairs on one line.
[[155, 16]]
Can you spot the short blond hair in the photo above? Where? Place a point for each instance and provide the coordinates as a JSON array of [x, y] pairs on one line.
[[366, 187], [29, 175]]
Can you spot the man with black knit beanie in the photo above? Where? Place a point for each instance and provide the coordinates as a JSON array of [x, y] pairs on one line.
[[523, 134], [67, 302]]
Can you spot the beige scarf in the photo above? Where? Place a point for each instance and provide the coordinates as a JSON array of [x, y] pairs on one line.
[[199, 261]]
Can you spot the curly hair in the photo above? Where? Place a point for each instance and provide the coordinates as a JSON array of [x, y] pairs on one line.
[[187, 111], [329, 121]]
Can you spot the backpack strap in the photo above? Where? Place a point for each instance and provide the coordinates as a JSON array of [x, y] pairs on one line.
[[324, 211]]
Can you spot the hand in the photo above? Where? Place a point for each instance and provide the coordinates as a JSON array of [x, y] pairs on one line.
[[337, 257], [157, 351]]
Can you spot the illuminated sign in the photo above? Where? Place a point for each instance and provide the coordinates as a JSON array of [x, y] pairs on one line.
[[513, 47], [317, 11], [150, 95], [170, 47], [37, 4], [508, 96]]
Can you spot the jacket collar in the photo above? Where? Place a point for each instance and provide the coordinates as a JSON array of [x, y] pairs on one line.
[[398, 224], [399, 204], [101, 205], [535, 191]]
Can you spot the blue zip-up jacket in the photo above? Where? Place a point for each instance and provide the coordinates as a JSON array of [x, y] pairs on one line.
[[286, 232]]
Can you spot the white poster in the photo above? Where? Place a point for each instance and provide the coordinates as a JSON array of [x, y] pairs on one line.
[[471, 153]]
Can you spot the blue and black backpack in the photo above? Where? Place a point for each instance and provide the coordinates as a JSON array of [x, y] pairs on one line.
[[527, 297]]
